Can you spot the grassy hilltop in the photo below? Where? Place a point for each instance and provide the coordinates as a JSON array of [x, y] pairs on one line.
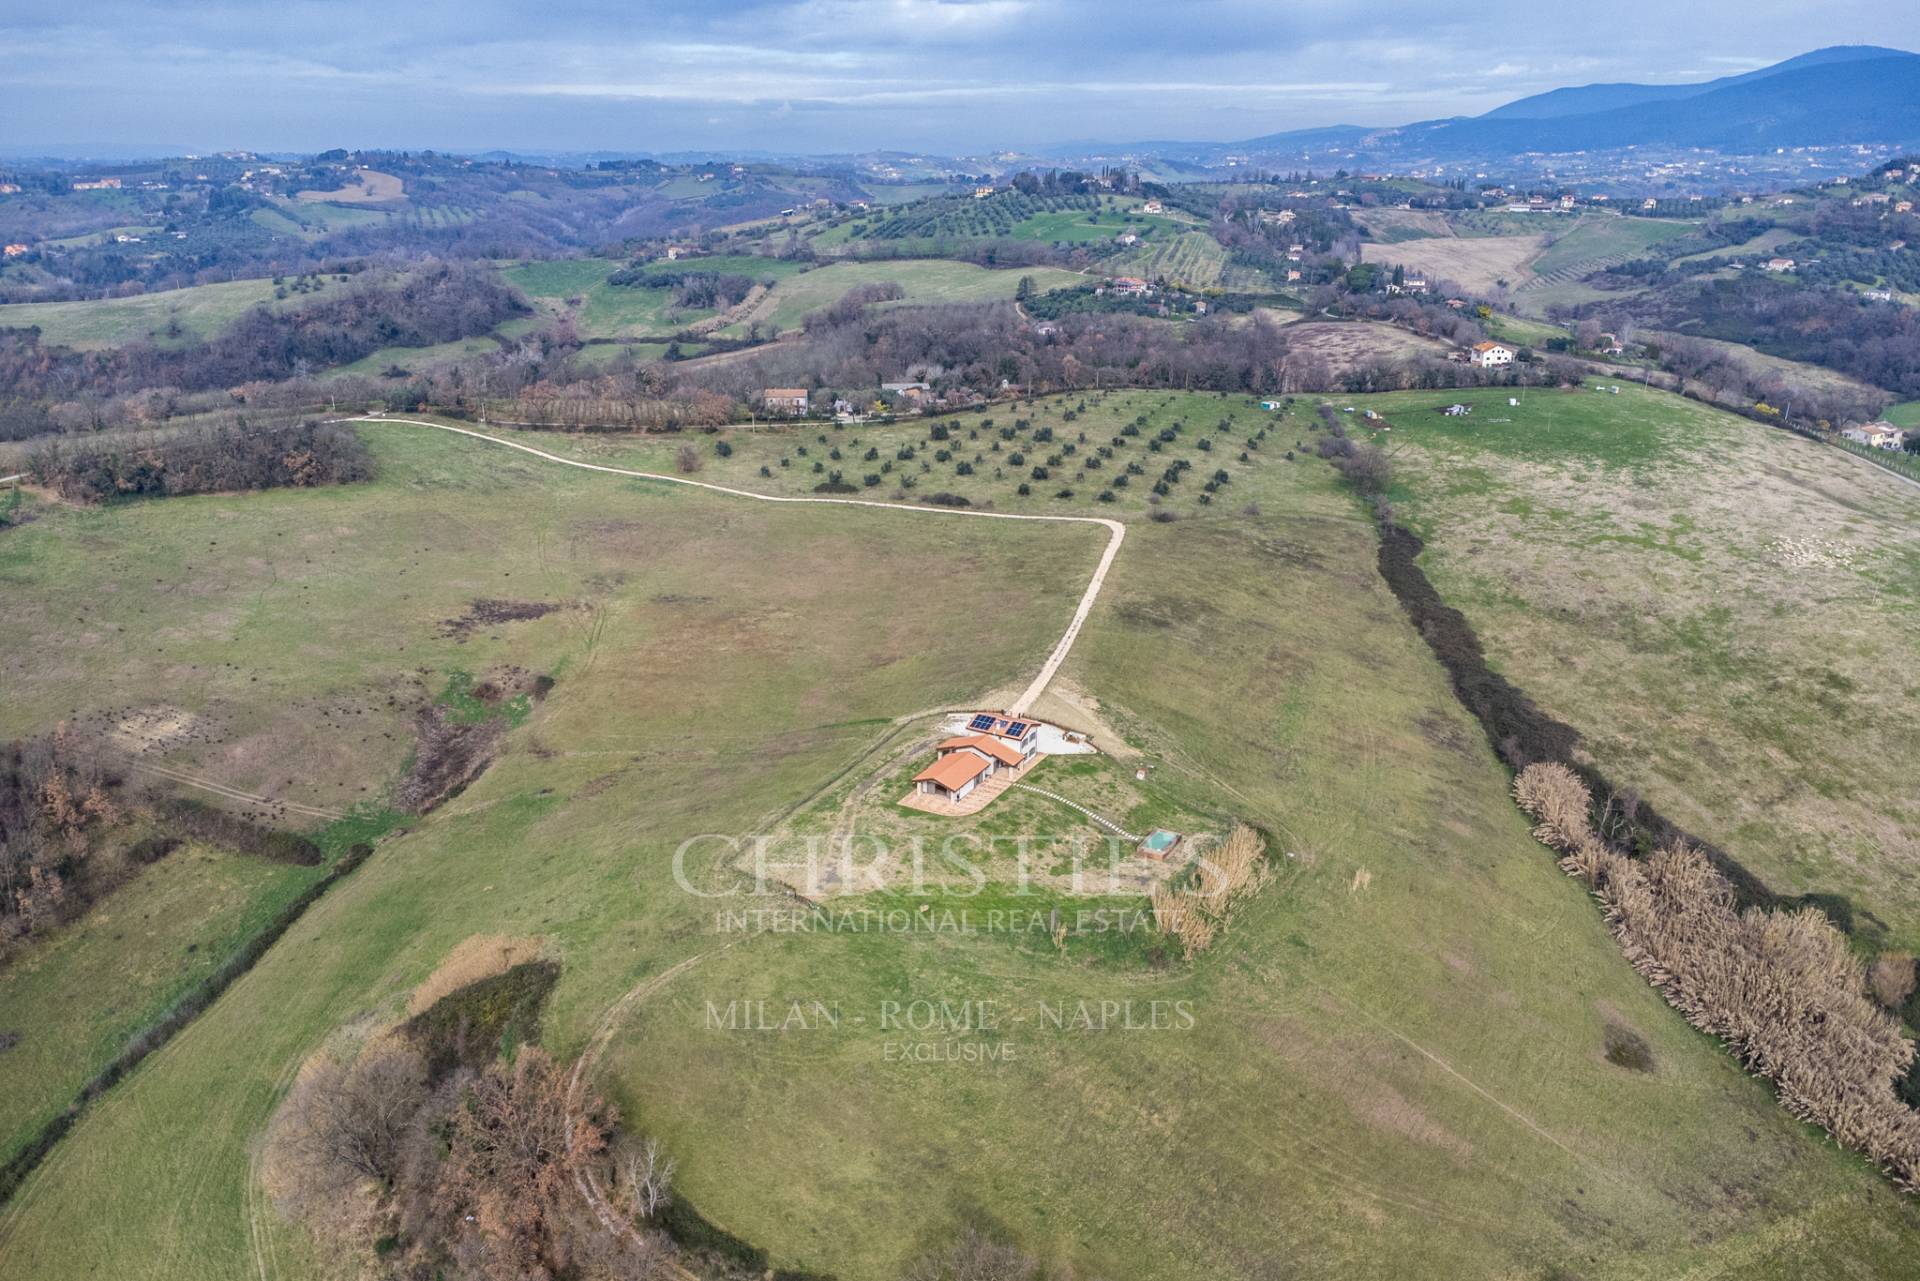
[[1404, 1056]]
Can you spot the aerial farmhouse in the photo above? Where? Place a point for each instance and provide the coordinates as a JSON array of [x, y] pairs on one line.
[[1491, 355]]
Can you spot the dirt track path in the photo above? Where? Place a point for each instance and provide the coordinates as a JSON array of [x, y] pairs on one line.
[[1116, 531]]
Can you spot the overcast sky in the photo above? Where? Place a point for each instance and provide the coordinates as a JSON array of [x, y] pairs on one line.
[[110, 76]]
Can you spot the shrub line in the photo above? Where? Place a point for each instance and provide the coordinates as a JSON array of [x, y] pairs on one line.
[[189, 1007], [1723, 899]]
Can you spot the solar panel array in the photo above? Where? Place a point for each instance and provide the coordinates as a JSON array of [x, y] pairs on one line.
[[1016, 729], [981, 722]]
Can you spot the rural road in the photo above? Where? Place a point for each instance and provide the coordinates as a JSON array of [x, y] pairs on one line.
[[1116, 531]]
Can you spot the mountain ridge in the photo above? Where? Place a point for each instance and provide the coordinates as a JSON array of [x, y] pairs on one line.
[[1835, 95]]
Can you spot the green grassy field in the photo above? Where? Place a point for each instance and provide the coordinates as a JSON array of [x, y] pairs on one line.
[[77, 998], [323, 218], [1401, 1041], [925, 280], [104, 234], [1719, 608], [623, 311], [419, 359], [1764, 243], [905, 192], [276, 221], [1601, 239], [1906, 414], [1190, 258], [199, 311], [1078, 226], [1518, 329]]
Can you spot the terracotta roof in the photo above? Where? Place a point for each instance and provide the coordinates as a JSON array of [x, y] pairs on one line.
[[954, 770], [1490, 346], [784, 392], [985, 743]]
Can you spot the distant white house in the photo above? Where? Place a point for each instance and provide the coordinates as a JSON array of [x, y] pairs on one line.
[[784, 400], [1777, 264], [1880, 435], [1492, 355]]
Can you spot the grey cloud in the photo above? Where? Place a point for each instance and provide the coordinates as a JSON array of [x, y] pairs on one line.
[[836, 74]]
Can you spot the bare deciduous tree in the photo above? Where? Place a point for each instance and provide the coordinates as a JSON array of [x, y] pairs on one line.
[[1779, 986], [647, 1172]]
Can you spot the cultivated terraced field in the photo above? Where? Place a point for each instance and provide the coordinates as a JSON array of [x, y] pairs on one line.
[[1596, 242], [1191, 258]]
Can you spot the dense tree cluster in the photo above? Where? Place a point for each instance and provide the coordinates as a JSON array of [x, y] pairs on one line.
[[56, 800], [425, 1154], [1833, 328], [202, 459], [1730, 377], [438, 303], [978, 348], [689, 288]]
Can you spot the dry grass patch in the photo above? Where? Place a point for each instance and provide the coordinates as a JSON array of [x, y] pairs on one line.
[[1779, 986], [480, 957], [363, 187], [1196, 910], [1724, 612], [1347, 345], [1475, 263]]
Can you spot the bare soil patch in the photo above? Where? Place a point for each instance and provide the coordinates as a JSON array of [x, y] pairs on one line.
[[455, 742], [152, 729], [1408, 224], [1392, 1111], [1628, 1049], [490, 612], [451, 754]]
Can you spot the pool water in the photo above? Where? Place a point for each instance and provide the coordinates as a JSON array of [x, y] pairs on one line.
[[1159, 842]]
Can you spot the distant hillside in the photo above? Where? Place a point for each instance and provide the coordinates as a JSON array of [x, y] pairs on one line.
[[1588, 99], [1843, 94], [1860, 100]]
